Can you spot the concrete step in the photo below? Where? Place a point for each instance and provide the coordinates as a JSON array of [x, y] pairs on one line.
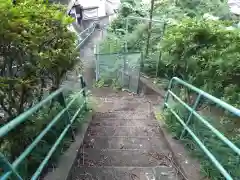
[[134, 131], [127, 115], [123, 173], [122, 122], [122, 157], [105, 142]]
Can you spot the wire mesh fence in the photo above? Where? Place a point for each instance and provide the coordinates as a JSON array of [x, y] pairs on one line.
[[122, 69]]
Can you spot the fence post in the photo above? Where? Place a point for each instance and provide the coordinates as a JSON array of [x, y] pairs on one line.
[[167, 94], [126, 32], [62, 101], [142, 62], [191, 113], [160, 52], [139, 73], [96, 62], [83, 85]]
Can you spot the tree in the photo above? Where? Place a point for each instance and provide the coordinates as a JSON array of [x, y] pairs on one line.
[[36, 52]]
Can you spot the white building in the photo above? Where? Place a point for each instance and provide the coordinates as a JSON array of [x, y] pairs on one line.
[[234, 6], [92, 9]]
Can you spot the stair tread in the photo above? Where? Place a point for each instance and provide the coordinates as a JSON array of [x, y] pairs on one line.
[[141, 143], [137, 114], [123, 122], [122, 157], [123, 142], [124, 173], [123, 131]]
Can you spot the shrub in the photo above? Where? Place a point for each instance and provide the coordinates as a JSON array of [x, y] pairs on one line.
[[36, 52], [205, 54], [198, 7]]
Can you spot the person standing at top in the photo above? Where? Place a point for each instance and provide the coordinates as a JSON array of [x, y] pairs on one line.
[[79, 13]]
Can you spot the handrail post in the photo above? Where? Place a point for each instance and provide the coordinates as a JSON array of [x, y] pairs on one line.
[[68, 119], [126, 32], [83, 85], [97, 61], [167, 94], [191, 113]]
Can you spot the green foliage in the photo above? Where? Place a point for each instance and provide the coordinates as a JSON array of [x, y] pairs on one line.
[[201, 52], [99, 83], [205, 54], [167, 9], [198, 7], [36, 52], [111, 44], [128, 8], [113, 83]]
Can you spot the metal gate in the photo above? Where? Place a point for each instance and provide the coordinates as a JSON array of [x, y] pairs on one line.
[[124, 68]]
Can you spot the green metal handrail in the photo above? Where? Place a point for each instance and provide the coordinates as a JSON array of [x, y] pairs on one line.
[[11, 168], [192, 110], [85, 35]]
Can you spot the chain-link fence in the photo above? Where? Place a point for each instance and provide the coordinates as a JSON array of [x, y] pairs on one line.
[[120, 68]]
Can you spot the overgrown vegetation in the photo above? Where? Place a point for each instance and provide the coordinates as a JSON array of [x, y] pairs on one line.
[[195, 8], [201, 51], [191, 48], [36, 52], [205, 54]]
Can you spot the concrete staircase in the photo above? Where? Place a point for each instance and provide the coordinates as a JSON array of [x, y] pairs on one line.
[[123, 142]]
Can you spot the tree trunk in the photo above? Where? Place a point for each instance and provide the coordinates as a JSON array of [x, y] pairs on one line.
[[149, 27]]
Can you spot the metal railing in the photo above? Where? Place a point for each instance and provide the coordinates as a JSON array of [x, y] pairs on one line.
[[192, 112], [8, 168], [84, 35]]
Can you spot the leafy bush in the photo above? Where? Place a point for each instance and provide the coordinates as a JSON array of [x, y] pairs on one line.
[[198, 7], [202, 52], [36, 51], [167, 9], [111, 44], [205, 54], [128, 8]]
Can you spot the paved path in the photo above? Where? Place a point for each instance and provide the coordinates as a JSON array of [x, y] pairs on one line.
[[123, 142], [87, 58]]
